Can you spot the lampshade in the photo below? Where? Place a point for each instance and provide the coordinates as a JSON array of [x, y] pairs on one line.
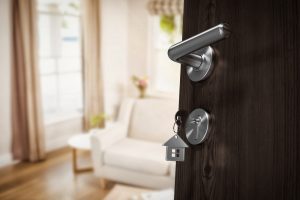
[[165, 7]]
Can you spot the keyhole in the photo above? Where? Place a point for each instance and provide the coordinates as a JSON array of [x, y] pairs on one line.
[[198, 122]]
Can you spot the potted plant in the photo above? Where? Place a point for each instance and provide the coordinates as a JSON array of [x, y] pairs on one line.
[[141, 83], [97, 121]]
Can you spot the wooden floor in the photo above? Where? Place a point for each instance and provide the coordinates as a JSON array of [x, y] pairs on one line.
[[52, 179]]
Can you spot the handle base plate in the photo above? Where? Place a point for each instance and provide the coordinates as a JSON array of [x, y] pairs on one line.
[[204, 70]]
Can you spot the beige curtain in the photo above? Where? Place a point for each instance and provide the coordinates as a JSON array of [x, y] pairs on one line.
[[93, 88], [27, 122]]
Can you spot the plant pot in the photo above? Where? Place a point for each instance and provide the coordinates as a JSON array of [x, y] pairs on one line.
[[142, 92]]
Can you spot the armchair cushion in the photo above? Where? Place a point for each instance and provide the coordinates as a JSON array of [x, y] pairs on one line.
[[137, 155]]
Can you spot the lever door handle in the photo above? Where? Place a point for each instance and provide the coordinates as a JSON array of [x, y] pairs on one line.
[[196, 53]]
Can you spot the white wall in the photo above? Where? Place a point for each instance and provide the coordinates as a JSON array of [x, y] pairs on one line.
[[124, 48], [138, 37], [114, 45], [5, 128], [57, 134]]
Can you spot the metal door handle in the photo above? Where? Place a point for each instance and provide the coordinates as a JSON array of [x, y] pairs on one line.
[[196, 53]]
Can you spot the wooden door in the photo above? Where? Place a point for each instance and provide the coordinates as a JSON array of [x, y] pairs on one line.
[[253, 151]]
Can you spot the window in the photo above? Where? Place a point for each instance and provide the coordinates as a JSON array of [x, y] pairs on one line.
[[60, 58], [164, 73]]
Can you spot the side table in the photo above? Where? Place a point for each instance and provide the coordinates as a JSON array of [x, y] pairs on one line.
[[79, 142]]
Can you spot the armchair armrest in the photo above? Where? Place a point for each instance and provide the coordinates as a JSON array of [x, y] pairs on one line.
[[103, 139], [107, 137]]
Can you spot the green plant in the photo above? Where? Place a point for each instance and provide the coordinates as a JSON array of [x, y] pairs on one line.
[[74, 6], [167, 24], [97, 120]]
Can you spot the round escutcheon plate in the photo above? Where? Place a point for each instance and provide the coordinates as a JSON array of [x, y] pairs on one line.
[[197, 126], [201, 73]]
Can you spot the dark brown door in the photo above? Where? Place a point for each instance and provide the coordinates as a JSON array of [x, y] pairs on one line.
[[253, 151]]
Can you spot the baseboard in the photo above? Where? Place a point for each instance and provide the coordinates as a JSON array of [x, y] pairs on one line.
[[57, 135], [58, 143], [6, 159]]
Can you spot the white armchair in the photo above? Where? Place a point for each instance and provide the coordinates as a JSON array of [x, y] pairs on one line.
[[131, 151]]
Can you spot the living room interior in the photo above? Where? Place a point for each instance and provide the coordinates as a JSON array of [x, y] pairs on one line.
[[88, 97], [149, 99]]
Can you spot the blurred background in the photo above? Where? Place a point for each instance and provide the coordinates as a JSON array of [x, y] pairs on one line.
[[88, 97]]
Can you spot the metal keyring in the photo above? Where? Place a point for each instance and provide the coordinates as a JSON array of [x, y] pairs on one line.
[[174, 128], [178, 122]]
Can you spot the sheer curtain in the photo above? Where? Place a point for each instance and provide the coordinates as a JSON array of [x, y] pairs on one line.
[[93, 84], [27, 122]]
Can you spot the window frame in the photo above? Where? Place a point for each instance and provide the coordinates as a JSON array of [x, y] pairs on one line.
[[57, 115]]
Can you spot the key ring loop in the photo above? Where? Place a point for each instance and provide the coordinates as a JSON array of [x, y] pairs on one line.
[[177, 122], [175, 131]]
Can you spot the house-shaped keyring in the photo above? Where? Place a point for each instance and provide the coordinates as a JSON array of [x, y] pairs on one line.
[[175, 149]]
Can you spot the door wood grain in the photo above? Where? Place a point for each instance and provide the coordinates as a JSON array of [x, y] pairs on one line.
[[253, 151]]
